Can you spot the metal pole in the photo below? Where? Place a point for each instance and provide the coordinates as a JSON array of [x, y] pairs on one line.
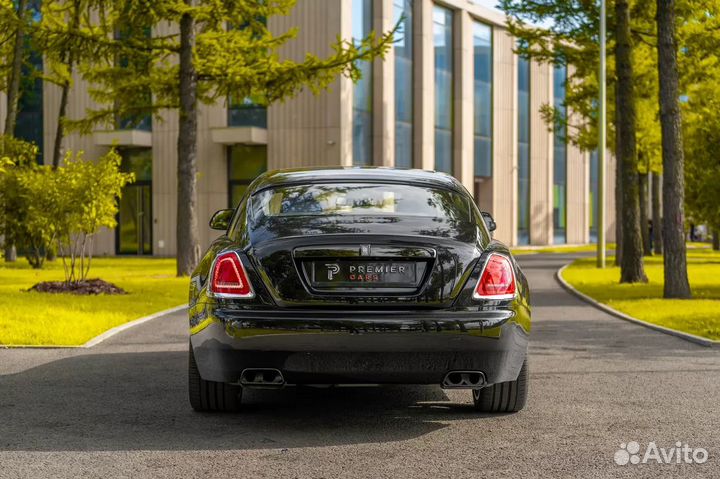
[[602, 140]]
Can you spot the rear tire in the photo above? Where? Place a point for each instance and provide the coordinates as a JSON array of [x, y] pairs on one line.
[[211, 396], [510, 396]]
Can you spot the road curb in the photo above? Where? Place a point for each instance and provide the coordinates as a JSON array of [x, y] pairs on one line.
[[118, 329], [672, 332], [101, 337]]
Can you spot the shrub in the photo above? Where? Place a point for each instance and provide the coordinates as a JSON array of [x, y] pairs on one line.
[[16, 157], [69, 205]]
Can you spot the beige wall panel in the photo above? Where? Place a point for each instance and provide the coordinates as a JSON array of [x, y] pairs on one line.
[[212, 170], [164, 184], [79, 102], [424, 91], [504, 183], [51, 102], [484, 194], [540, 157], [308, 130], [463, 144], [610, 216], [164, 174], [578, 188]]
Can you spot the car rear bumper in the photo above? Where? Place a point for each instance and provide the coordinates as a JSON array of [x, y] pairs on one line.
[[351, 347]]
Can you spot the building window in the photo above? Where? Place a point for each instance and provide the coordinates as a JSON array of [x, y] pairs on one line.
[[482, 52], [442, 40], [403, 49], [523, 146], [141, 116], [245, 163], [29, 121], [134, 231], [246, 112], [560, 157], [594, 196], [362, 90]]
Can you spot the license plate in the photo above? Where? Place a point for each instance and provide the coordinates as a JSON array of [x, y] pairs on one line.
[[363, 274]]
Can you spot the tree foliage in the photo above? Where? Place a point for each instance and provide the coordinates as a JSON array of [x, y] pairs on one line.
[[68, 205], [174, 54], [699, 34], [567, 32], [235, 55], [16, 157]]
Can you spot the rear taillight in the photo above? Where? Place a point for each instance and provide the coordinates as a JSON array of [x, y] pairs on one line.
[[497, 280], [229, 278]]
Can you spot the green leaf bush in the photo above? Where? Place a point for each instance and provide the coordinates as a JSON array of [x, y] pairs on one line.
[[65, 207]]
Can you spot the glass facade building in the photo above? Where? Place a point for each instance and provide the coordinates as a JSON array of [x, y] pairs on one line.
[[140, 119], [403, 50], [245, 163], [560, 157], [443, 47], [246, 112], [29, 122], [133, 235], [451, 95], [523, 152], [482, 87], [362, 140]]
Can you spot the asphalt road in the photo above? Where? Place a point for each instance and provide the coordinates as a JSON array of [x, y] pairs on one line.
[[120, 410]]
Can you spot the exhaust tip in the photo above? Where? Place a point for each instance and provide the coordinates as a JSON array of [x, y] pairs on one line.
[[262, 378], [464, 380]]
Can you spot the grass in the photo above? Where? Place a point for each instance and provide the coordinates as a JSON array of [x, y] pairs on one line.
[[30, 318], [585, 248], [699, 316]]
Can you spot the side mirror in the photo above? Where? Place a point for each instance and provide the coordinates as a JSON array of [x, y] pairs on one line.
[[221, 219], [489, 221]]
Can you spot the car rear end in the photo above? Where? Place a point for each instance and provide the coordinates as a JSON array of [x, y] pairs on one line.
[[359, 282]]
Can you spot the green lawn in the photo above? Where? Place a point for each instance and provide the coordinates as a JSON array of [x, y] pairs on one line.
[[29, 318], [585, 248], [699, 316]]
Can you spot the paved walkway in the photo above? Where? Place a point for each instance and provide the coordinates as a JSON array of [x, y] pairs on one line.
[[120, 409]]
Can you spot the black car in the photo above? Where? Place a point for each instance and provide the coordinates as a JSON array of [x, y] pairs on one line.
[[357, 276]]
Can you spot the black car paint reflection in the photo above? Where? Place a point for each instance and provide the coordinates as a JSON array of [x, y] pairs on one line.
[[372, 334]]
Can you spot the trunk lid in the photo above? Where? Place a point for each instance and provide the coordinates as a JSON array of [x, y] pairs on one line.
[[384, 262]]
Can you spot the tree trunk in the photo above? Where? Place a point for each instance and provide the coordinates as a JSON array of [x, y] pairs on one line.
[[675, 260], [188, 244], [10, 252], [715, 239], [656, 215], [12, 96], [13, 90], [618, 184], [644, 220], [60, 131], [69, 60], [631, 264]]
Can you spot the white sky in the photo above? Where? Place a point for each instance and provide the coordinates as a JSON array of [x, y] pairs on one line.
[[487, 3]]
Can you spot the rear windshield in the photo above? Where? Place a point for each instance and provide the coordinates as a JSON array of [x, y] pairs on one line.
[[360, 199]]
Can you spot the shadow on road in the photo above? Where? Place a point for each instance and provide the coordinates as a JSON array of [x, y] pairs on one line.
[[99, 402]]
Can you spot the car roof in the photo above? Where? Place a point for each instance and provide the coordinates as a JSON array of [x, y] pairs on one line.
[[361, 174]]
